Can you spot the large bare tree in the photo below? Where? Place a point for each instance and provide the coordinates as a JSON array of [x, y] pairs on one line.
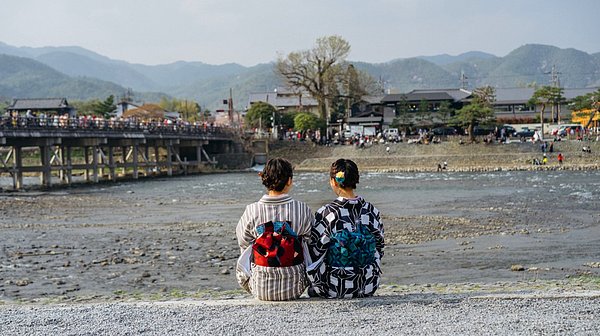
[[315, 70]]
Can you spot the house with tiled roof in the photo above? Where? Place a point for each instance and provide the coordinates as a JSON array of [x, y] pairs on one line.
[[433, 97], [513, 104], [285, 100], [370, 115], [48, 106]]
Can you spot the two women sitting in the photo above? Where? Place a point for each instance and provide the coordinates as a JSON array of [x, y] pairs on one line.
[[335, 253]]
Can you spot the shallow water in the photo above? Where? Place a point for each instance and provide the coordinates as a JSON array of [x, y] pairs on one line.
[[395, 194], [466, 227]]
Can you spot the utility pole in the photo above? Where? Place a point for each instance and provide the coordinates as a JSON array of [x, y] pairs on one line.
[[463, 81], [230, 107], [555, 83]]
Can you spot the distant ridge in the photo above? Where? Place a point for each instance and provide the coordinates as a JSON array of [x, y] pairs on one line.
[[78, 73], [445, 59]]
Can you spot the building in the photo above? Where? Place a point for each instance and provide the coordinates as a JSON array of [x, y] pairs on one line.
[[369, 116], [285, 100], [36, 106], [145, 111], [512, 105], [408, 107]]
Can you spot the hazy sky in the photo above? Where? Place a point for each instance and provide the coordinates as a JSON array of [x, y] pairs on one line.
[[249, 32]]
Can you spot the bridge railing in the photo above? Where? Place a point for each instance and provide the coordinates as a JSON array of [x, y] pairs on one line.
[[94, 125]]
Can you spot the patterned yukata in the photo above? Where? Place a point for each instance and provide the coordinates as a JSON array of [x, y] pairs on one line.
[[344, 282], [272, 283]]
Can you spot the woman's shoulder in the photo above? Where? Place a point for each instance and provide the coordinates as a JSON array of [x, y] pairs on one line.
[[333, 206], [368, 206], [300, 204]]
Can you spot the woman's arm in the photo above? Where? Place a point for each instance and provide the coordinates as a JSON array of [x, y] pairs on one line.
[[377, 230], [319, 235], [245, 229]]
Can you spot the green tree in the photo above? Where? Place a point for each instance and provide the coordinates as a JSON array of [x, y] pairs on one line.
[[423, 116], [85, 107], [287, 119], [546, 95], [585, 101], [445, 111], [106, 108], [307, 121], [402, 118], [478, 111], [260, 115], [188, 110]]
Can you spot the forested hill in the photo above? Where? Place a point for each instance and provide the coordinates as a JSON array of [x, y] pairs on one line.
[[77, 73]]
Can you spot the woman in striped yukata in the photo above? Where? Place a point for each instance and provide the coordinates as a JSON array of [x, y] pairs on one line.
[[273, 283], [346, 245]]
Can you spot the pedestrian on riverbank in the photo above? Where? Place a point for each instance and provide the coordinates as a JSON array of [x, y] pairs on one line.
[[347, 242], [560, 158], [284, 224]]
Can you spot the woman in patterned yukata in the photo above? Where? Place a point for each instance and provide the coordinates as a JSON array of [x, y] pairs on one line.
[[273, 283], [346, 240]]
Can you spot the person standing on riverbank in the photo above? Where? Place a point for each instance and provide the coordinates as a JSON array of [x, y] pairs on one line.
[[560, 158], [278, 212], [346, 241]]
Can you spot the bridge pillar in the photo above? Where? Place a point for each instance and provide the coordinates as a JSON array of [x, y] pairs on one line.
[[62, 172], [169, 159], [18, 168], [157, 158], [198, 155], [69, 165], [95, 163], [124, 154], [147, 156], [135, 160], [112, 174], [46, 169], [86, 157]]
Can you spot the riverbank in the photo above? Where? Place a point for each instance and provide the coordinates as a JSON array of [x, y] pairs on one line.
[[466, 253], [404, 157], [408, 314], [174, 238]]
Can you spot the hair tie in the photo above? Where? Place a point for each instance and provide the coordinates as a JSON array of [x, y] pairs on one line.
[[340, 177]]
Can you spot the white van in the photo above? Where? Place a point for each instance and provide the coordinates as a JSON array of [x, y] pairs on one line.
[[391, 133]]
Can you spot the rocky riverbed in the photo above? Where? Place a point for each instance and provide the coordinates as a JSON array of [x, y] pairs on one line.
[[146, 241], [404, 157]]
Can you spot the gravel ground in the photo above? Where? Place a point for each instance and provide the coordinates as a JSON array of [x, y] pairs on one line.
[[408, 314]]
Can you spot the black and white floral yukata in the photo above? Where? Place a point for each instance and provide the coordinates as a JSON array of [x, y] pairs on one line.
[[344, 282]]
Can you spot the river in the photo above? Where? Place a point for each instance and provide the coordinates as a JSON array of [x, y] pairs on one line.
[[158, 234]]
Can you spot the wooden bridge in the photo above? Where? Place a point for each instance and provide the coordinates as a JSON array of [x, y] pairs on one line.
[[106, 150]]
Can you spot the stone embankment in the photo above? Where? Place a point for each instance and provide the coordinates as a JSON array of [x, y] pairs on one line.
[[404, 157]]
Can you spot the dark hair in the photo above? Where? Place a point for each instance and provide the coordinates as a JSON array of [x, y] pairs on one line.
[[276, 174], [350, 170]]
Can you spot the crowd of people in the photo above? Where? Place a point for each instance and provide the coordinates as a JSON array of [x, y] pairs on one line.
[[93, 122]]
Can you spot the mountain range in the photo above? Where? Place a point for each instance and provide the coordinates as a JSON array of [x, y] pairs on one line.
[[81, 74]]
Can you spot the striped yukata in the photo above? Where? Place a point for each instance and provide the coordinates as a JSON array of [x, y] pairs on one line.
[[272, 283], [344, 282]]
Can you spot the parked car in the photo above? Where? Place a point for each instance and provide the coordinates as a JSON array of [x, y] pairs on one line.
[[391, 132], [565, 129], [525, 133], [482, 130], [347, 134], [508, 130], [444, 131]]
